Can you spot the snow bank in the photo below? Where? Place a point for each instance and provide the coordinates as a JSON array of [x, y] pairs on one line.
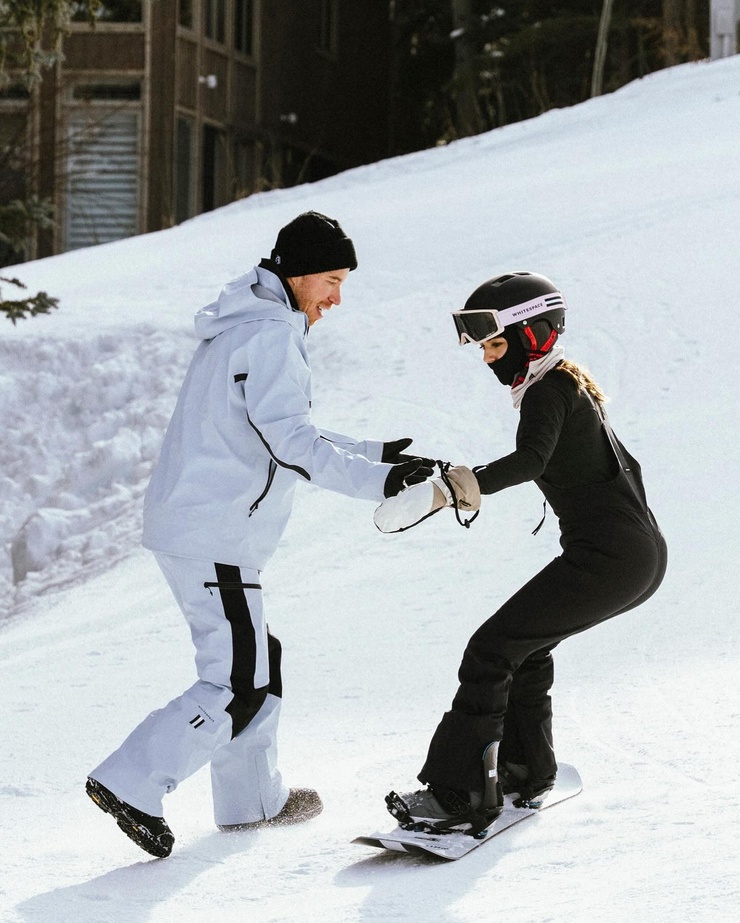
[[83, 421]]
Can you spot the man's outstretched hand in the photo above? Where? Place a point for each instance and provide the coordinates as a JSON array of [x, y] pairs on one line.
[[393, 453], [407, 474]]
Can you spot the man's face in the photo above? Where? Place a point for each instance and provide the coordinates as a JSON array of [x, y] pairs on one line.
[[318, 292]]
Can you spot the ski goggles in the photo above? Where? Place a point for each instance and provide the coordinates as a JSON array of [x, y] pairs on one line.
[[477, 326], [481, 324]]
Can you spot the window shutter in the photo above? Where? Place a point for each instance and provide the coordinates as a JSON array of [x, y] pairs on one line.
[[102, 176]]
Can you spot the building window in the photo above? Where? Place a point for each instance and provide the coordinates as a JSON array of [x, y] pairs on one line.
[[184, 133], [89, 92], [110, 11], [211, 168], [14, 91], [185, 13], [215, 26], [244, 26], [244, 164], [328, 38]]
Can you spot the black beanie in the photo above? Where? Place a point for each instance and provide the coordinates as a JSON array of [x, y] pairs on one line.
[[313, 243]]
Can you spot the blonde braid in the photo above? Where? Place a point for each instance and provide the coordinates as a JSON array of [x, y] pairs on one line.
[[584, 379]]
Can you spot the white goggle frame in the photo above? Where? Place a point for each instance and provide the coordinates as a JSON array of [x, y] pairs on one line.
[[502, 319]]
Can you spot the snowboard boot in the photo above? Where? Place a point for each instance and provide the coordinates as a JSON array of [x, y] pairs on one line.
[[302, 804], [439, 809], [150, 833], [531, 793]]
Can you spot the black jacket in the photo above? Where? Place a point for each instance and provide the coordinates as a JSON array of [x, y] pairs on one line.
[[566, 445]]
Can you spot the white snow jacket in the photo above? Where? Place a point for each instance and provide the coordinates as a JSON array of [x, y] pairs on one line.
[[241, 436]]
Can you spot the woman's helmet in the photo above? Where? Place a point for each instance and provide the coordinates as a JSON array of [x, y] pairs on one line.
[[525, 308], [524, 300]]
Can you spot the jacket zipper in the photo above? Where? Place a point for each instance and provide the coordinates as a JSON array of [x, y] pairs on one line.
[[231, 586], [270, 476]]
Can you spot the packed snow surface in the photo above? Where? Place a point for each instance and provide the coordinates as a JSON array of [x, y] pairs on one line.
[[631, 203]]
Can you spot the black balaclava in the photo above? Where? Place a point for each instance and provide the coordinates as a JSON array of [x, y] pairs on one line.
[[511, 369], [514, 361]]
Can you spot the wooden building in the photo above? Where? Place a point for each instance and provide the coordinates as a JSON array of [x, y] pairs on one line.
[[169, 108]]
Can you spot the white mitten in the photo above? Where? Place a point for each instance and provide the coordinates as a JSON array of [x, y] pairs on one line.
[[411, 505], [414, 504]]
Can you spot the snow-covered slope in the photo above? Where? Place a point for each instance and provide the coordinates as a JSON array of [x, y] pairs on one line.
[[631, 203]]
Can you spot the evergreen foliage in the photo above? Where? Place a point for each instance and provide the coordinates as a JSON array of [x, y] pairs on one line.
[[527, 56], [41, 303], [29, 42], [30, 32]]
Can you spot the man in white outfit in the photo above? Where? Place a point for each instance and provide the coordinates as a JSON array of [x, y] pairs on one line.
[[239, 441]]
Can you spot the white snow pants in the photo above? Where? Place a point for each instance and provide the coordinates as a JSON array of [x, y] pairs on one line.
[[228, 717]]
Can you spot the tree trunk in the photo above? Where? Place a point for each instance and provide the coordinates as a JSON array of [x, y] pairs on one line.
[[597, 78], [693, 43], [468, 118], [672, 31]]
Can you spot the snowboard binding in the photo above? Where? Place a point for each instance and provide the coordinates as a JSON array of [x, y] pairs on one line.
[[439, 809], [465, 818]]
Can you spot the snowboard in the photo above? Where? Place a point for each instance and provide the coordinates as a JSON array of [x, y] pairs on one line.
[[453, 846]]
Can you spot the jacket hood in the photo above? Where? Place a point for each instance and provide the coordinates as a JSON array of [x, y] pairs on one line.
[[257, 295]]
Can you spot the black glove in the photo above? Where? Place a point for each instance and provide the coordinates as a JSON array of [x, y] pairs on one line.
[[404, 475], [393, 453]]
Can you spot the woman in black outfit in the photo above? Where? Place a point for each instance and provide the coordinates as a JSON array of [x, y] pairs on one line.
[[614, 558]]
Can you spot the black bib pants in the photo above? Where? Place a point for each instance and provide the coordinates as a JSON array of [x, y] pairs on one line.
[[614, 558]]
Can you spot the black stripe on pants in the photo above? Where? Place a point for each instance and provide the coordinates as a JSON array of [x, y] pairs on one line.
[[247, 700]]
